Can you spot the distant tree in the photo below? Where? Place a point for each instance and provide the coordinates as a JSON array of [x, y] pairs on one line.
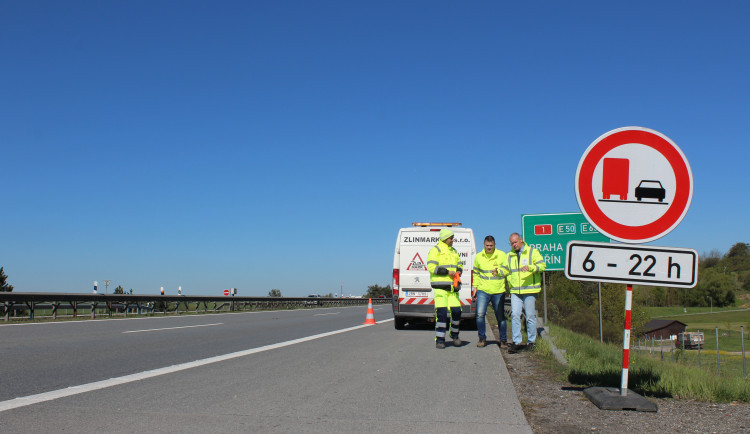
[[375, 291], [710, 259], [4, 286], [119, 290], [329, 295], [274, 293], [718, 286], [737, 261], [739, 249]]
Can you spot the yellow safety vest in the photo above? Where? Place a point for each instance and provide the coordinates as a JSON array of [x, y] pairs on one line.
[[525, 282], [484, 264], [442, 259]]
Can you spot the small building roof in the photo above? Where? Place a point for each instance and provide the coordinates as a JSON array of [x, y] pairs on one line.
[[658, 324]]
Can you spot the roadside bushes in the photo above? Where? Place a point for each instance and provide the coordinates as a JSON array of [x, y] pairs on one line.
[[575, 306]]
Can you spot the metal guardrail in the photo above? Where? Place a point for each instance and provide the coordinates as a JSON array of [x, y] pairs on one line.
[[27, 303]]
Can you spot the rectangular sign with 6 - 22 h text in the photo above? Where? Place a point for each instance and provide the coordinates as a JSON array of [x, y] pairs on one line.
[[623, 263]]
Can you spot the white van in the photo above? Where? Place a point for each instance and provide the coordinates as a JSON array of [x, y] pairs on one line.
[[412, 295]]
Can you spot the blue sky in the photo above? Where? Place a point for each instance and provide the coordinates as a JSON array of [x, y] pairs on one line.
[[264, 145]]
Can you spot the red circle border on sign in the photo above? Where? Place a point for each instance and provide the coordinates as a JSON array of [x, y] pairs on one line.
[[618, 231]]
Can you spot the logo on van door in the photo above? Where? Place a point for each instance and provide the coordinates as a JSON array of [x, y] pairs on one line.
[[417, 264]]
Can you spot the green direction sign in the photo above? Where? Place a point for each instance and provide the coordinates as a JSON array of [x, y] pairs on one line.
[[550, 233]]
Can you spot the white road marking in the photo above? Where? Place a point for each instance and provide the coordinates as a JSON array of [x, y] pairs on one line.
[[97, 385], [172, 328], [324, 314]]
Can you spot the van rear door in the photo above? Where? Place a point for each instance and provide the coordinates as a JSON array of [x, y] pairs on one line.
[[416, 293]]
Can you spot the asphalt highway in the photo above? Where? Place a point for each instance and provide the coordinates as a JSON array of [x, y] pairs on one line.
[[311, 370]]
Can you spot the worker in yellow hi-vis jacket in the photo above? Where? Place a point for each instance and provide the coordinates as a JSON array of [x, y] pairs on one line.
[[524, 266], [443, 263]]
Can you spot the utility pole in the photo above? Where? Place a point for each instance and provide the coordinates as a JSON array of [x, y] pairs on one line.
[[106, 286]]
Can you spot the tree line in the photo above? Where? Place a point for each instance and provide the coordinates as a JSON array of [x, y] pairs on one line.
[[373, 291], [574, 304]]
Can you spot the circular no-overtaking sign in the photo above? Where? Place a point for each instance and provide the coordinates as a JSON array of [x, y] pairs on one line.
[[634, 184]]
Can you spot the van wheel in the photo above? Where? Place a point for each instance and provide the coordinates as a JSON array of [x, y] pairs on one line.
[[399, 323]]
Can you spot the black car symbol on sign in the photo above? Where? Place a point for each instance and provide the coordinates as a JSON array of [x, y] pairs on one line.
[[650, 189]]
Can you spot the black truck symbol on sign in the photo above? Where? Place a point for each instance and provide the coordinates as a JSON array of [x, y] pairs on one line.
[[650, 189]]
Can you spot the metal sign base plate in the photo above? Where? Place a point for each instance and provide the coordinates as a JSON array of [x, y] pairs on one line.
[[609, 398]]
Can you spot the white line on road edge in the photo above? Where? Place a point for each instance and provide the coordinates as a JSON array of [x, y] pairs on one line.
[[75, 390], [172, 328]]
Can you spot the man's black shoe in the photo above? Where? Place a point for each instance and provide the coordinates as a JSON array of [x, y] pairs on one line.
[[513, 348], [530, 346]]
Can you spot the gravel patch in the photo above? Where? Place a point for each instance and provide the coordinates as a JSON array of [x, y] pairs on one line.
[[553, 405]]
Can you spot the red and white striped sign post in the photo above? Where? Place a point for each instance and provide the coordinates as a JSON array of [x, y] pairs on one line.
[[626, 342], [634, 185]]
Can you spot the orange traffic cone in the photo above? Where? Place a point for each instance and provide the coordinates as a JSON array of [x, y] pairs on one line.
[[370, 318]]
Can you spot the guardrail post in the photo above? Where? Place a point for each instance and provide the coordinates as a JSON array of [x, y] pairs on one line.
[[54, 310], [93, 310], [7, 310]]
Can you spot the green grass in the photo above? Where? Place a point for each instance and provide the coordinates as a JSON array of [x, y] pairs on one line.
[[592, 363], [703, 316], [730, 321]]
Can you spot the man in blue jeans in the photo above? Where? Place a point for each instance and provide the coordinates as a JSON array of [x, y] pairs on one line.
[[489, 281], [525, 264]]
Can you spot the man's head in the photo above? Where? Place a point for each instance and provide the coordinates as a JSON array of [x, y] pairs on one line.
[[489, 244], [516, 242], [446, 236]]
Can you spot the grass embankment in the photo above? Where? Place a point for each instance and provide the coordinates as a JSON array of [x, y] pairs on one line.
[[592, 363]]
